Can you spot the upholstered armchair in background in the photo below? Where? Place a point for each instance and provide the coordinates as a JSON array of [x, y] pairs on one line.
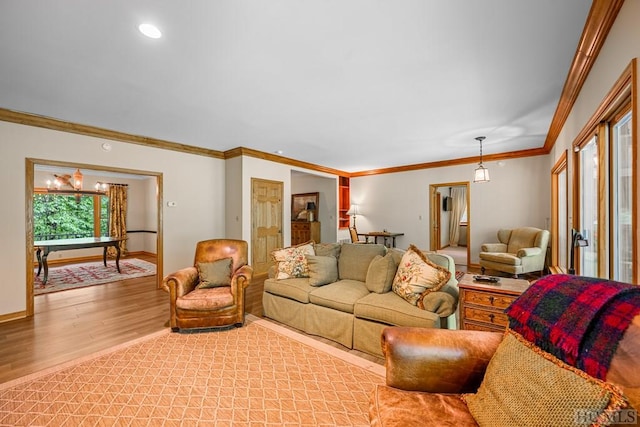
[[211, 292], [521, 250]]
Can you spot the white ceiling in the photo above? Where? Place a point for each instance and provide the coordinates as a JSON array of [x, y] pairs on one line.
[[348, 84]]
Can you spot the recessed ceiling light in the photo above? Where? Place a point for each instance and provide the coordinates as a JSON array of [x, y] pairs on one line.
[[150, 30], [279, 152]]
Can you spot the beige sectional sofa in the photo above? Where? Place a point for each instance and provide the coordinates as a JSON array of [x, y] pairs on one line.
[[354, 308]]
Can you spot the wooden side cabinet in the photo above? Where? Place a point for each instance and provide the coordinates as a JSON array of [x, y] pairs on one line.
[[482, 304], [303, 231]]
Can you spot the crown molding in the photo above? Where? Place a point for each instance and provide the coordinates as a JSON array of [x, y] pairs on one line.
[[64, 126], [243, 151], [601, 17], [454, 162]]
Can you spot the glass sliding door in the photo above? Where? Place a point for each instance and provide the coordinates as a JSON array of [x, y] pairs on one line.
[[588, 158], [622, 203]]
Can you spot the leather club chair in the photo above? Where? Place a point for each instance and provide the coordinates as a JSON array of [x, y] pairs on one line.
[[195, 307], [521, 250], [427, 371]]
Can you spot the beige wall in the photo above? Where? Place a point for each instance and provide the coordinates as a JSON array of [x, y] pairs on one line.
[[198, 214], [517, 195]]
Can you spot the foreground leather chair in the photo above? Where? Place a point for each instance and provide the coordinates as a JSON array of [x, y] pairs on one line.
[[521, 250], [193, 306], [430, 371]]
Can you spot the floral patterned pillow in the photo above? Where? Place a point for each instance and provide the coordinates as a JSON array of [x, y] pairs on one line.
[[292, 261], [417, 276]]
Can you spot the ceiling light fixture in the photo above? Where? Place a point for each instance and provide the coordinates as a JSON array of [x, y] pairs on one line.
[[74, 183], [150, 31], [482, 173]]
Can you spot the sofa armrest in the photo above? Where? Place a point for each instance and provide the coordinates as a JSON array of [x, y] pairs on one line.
[[493, 247], [181, 282], [440, 303], [437, 360], [523, 252]]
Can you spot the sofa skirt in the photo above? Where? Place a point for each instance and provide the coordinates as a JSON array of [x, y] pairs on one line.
[[329, 323], [284, 310]]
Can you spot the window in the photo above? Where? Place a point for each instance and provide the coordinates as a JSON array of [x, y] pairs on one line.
[[62, 216], [622, 197], [588, 223], [606, 202]]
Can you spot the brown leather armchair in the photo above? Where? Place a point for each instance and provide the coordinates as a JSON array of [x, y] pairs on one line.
[[427, 370], [193, 307]]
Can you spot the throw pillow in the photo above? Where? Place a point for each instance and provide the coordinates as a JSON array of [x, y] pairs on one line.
[[380, 273], [214, 274], [525, 386], [292, 261], [327, 249], [417, 276], [322, 270]]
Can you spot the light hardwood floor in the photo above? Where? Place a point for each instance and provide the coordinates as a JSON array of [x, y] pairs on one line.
[[79, 322]]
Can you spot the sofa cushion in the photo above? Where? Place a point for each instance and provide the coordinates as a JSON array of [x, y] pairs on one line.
[[390, 406], [214, 274], [341, 295], [292, 261], [521, 372], [417, 276], [389, 308], [380, 273], [206, 299], [502, 258], [296, 289], [355, 259], [327, 249], [322, 269]]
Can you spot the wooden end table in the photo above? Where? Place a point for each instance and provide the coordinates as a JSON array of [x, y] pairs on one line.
[[482, 304]]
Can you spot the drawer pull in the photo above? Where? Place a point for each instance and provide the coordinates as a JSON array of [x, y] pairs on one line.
[[491, 317], [491, 299]]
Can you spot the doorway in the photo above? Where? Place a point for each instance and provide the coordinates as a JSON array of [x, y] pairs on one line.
[[30, 170], [450, 220]]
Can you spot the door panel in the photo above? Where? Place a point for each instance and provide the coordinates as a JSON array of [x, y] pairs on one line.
[[266, 222]]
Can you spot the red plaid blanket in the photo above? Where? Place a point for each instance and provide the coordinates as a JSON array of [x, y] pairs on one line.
[[580, 320]]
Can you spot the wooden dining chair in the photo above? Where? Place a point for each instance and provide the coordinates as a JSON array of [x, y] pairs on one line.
[[355, 237]]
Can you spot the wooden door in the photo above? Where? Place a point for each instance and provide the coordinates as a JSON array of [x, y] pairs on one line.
[[266, 222], [434, 220]]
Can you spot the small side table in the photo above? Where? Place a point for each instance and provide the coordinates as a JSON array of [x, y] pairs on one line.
[[482, 304]]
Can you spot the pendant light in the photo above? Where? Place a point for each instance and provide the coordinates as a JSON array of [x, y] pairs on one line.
[[482, 173]]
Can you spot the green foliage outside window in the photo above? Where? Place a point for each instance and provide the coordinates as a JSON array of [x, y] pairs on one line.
[[57, 216]]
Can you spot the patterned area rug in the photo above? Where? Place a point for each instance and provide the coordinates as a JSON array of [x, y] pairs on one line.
[[459, 275], [261, 374], [91, 273]]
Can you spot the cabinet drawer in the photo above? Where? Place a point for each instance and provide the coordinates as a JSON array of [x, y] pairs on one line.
[[300, 226], [470, 326], [488, 299], [486, 316]]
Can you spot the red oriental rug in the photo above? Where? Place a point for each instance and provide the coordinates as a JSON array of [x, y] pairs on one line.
[[92, 273]]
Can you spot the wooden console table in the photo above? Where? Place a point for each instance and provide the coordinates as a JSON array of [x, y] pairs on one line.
[[482, 304], [45, 247]]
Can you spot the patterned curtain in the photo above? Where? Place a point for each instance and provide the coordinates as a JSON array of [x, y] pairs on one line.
[[459, 196], [118, 216]]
